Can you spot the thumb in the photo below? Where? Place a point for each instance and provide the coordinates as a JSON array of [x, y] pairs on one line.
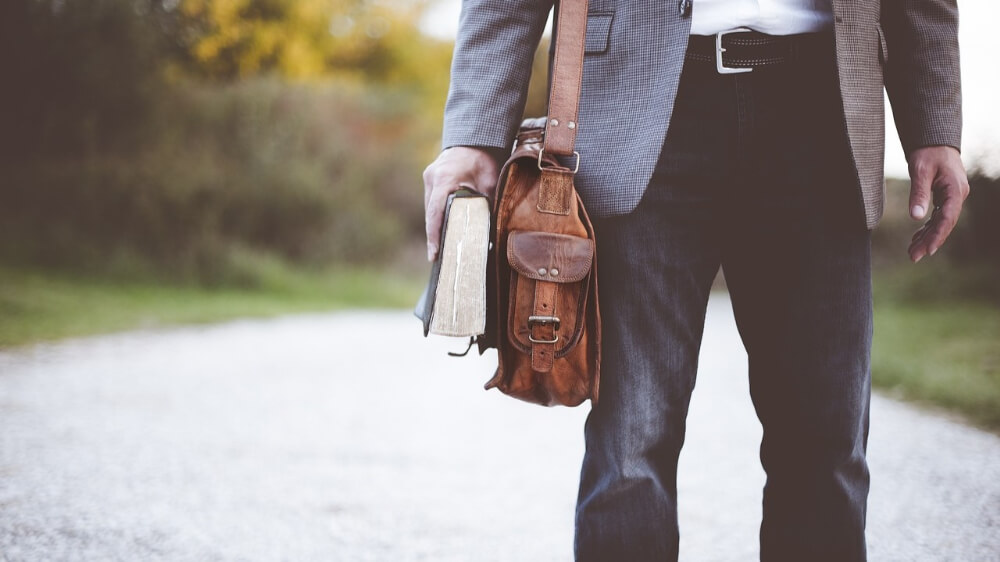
[[921, 178]]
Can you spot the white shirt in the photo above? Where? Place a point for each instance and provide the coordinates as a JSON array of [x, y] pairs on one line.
[[776, 17]]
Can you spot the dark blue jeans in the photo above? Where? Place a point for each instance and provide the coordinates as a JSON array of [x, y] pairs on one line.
[[755, 176]]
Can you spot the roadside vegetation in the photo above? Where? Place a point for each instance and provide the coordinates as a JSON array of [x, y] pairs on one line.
[[173, 161], [44, 305], [937, 323], [945, 355]]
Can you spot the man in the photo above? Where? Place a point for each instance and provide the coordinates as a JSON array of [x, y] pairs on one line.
[[748, 135]]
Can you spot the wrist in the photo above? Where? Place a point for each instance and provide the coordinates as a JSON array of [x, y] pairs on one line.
[[497, 154], [932, 149]]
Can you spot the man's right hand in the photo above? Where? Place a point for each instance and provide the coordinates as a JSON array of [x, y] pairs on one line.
[[455, 168]]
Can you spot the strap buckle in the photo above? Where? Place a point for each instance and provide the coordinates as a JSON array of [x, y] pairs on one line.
[[719, 49], [541, 150], [543, 321]]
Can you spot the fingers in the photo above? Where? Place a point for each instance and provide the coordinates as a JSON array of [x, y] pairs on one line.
[[921, 176], [919, 246], [434, 215], [428, 183], [441, 178], [948, 198], [435, 197], [937, 171], [441, 187], [486, 180], [454, 169]]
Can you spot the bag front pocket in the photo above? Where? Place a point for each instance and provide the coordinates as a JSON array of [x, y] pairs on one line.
[[548, 291]]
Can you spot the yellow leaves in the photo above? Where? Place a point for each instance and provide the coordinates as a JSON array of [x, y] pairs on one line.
[[310, 10], [357, 41], [240, 38], [299, 60], [191, 8], [227, 11]]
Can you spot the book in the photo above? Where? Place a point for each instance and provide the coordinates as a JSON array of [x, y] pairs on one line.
[[454, 302]]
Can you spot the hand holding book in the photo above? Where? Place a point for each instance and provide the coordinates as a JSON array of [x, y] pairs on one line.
[[456, 168]]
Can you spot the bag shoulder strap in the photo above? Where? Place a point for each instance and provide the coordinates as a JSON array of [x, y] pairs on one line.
[[567, 73]]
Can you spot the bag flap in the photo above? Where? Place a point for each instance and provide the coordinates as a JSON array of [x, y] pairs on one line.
[[545, 256]]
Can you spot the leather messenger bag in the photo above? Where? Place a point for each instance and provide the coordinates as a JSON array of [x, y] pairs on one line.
[[542, 310]]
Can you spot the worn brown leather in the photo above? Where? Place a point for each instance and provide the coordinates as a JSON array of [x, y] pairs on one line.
[[545, 321], [542, 314], [567, 74]]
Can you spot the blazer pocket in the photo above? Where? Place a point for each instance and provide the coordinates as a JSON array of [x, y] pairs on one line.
[[598, 33], [883, 47]]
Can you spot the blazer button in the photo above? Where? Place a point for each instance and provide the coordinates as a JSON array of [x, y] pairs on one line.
[[684, 8]]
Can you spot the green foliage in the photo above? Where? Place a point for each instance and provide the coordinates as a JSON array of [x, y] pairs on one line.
[[138, 146], [304, 38], [940, 281], [942, 354], [966, 267], [982, 229], [77, 76], [39, 305], [83, 75], [316, 174], [937, 323]]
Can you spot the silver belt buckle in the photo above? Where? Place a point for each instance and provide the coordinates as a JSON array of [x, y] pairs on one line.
[[719, 49]]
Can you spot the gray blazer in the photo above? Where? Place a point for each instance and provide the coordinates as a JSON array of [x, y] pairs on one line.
[[634, 55]]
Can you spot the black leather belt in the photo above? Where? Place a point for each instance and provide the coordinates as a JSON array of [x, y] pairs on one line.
[[742, 50]]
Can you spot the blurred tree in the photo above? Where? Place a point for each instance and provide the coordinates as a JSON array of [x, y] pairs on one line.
[[237, 38], [180, 131], [79, 76], [76, 75], [357, 41], [228, 39]]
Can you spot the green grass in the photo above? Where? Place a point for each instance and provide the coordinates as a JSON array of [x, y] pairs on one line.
[[944, 354], [940, 352], [38, 305]]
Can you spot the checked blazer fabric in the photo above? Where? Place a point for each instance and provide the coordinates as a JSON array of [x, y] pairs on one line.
[[632, 65]]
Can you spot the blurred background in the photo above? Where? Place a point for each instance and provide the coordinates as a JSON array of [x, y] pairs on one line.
[[179, 161]]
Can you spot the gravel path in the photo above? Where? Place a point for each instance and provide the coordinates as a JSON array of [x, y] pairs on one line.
[[350, 437]]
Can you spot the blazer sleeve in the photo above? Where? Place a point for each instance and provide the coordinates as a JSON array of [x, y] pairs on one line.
[[922, 73], [490, 70]]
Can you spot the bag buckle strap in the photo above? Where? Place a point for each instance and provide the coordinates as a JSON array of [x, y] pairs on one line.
[[543, 321], [576, 168]]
